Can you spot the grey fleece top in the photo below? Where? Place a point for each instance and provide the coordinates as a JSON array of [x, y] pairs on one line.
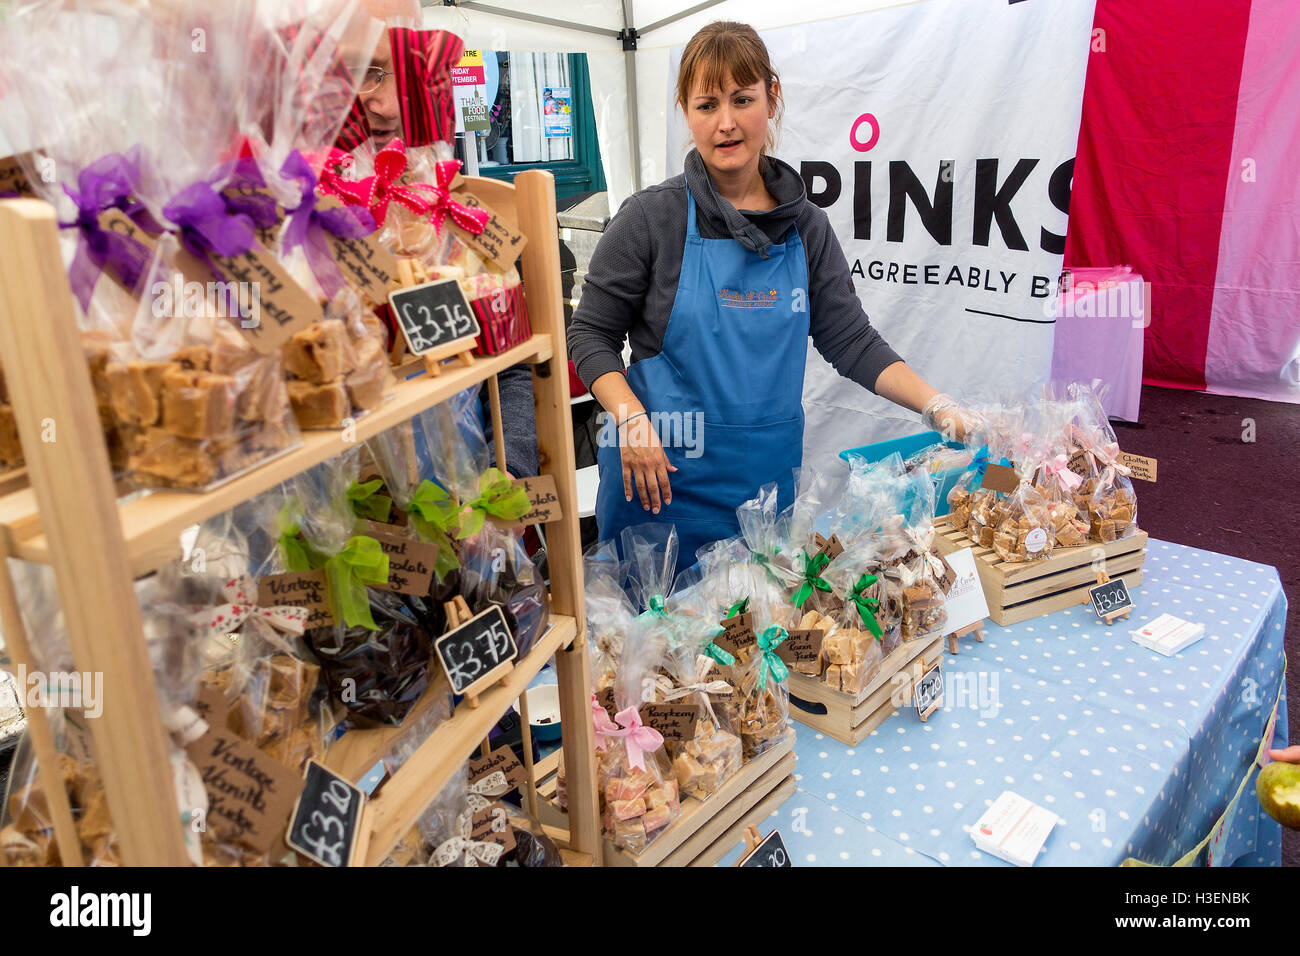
[[631, 283]]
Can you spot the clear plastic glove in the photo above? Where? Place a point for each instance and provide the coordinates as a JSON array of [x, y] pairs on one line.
[[945, 415]]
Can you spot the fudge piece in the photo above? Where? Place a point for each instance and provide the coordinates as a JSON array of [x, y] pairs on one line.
[[854, 677], [688, 772], [832, 675], [4, 389], [320, 353], [160, 456], [136, 390], [319, 406], [95, 821], [838, 647], [627, 809], [369, 381], [197, 404], [11, 452]]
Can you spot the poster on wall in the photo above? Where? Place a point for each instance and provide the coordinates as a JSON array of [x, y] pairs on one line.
[[469, 84], [939, 138], [557, 111]]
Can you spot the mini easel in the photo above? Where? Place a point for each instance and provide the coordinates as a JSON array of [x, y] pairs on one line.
[[977, 629], [752, 839], [461, 348], [458, 613], [1104, 578]]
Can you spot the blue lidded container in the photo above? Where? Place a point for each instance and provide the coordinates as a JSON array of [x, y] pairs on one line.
[[909, 445]]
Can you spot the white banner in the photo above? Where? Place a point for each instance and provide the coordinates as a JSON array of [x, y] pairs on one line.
[[940, 139]]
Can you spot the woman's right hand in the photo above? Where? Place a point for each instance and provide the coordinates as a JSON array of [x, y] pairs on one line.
[[645, 466]]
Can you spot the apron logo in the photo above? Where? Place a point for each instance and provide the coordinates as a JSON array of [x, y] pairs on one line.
[[751, 299]]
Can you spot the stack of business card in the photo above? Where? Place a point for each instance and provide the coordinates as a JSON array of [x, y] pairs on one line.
[[1168, 635], [1014, 829]]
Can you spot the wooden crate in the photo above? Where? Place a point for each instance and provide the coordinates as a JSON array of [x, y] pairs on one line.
[[850, 717], [707, 829], [1018, 591]]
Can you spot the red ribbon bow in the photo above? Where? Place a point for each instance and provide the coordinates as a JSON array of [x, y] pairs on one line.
[[471, 220], [377, 191]]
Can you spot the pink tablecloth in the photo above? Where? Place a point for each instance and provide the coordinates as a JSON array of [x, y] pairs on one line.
[[1100, 319]]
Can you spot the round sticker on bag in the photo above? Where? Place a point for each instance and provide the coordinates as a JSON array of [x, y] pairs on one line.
[[1036, 541]]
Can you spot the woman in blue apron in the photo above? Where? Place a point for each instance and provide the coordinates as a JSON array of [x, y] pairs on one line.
[[718, 277]]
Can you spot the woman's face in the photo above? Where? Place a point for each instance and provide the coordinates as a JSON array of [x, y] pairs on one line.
[[729, 125]]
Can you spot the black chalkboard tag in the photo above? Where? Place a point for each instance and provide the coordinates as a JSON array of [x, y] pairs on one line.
[[1110, 599], [433, 316], [477, 652], [325, 821], [770, 851], [928, 692]]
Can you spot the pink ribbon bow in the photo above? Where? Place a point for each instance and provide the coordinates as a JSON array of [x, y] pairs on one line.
[[471, 220], [640, 739], [1060, 467], [605, 728], [377, 191], [241, 595]]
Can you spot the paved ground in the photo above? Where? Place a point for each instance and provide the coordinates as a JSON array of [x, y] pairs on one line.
[[1219, 491]]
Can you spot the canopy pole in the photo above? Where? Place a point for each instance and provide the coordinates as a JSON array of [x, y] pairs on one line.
[[678, 16], [633, 113], [530, 17]]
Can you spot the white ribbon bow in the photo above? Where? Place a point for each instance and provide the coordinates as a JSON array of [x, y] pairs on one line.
[[475, 852], [493, 785], [703, 663], [241, 595]]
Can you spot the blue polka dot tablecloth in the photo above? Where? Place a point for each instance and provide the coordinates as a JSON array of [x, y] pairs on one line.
[[1138, 754]]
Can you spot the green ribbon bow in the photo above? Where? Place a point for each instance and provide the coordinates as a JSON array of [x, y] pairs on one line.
[[812, 579], [295, 552], [366, 503], [718, 654], [657, 607], [740, 607], [868, 608], [434, 515], [497, 496], [361, 562], [769, 662]]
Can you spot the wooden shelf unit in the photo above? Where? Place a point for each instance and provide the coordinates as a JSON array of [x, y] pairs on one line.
[[69, 517]]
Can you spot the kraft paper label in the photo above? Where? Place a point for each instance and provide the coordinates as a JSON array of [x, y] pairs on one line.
[[300, 589]]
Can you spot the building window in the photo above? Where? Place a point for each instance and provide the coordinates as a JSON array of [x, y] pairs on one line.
[[542, 117]]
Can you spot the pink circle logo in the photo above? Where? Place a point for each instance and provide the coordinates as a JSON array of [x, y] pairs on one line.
[[856, 143]]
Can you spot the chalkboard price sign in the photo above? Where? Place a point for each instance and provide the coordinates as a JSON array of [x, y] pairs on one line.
[[771, 852], [324, 823], [433, 314], [928, 693], [475, 652], [1110, 599]]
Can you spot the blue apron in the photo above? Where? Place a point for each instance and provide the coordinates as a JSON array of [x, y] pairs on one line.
[[726, 391]]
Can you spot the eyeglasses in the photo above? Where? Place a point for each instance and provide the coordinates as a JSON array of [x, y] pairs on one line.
[[373, 79]]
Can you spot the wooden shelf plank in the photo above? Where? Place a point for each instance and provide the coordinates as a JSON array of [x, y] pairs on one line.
[[757, 817], [726, 817], [443, 753], [152, 524]]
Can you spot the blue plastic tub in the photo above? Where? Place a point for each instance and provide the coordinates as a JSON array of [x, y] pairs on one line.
[[907, 446]]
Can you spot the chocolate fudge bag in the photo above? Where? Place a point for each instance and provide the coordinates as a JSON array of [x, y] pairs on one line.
[[376, 655]]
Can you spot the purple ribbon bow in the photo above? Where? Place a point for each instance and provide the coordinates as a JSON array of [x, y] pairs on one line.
[[205, 224], [107, 183], [307, 226]]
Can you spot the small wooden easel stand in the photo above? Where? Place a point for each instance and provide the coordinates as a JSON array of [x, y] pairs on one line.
[[752, 839], [458, 613], [1104, 578], [462, 349], [977, 629]]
